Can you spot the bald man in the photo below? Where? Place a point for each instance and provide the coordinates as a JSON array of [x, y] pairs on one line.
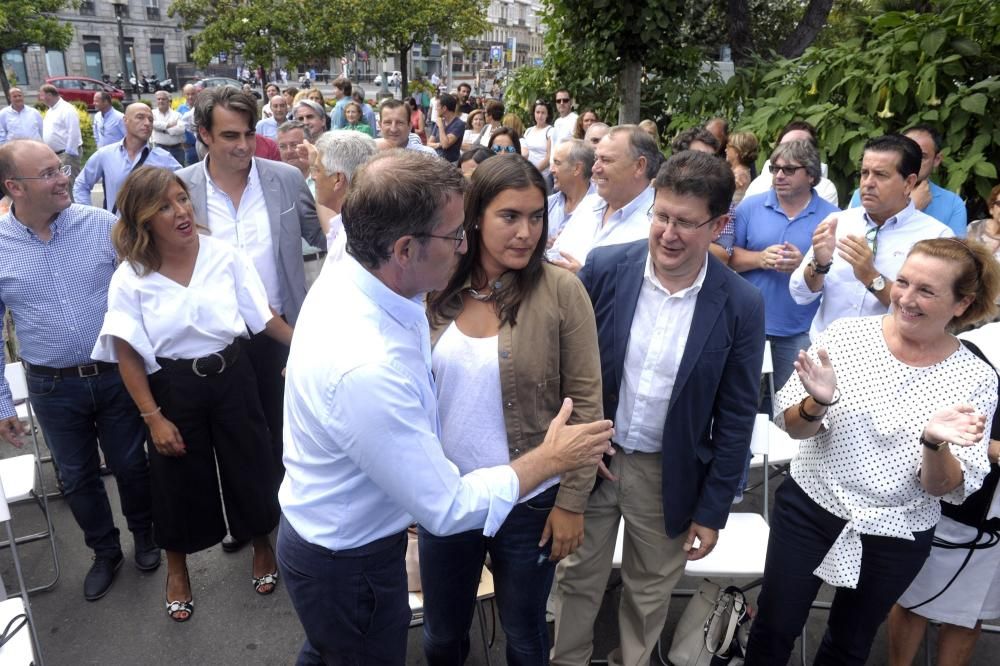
[[269, 126], [18, 121], [113, 163]]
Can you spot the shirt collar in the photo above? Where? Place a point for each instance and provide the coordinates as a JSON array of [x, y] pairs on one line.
[[409, 312], [896, 220], [53, 225], [252, 178], [693, 290], [772, 202]]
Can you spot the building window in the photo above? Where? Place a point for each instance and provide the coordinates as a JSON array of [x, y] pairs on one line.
[[55, 62], [153, 10], [92, 57], [121, 9], [158, 58], [13, 64], [87, 8]]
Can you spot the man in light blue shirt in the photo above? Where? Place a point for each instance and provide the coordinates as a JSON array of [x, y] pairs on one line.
[[109, 122], [19, 121], [113, 163], [941, 204], [773, 232], [342, 94], [362, 453]]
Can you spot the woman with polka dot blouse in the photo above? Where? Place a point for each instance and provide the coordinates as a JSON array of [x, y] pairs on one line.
[[891, 411]]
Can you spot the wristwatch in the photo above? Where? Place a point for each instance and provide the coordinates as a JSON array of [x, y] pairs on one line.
[[877, 285]]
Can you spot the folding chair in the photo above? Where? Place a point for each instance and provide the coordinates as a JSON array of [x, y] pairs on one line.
[[22, 647], [485, 592], [20, 474]]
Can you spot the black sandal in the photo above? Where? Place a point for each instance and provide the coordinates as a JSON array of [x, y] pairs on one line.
[[175, 608], [267, 579]]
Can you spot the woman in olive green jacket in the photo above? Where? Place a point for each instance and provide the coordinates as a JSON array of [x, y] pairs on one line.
[[512, 337]]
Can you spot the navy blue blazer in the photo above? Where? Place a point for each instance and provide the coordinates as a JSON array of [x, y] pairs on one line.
[[710, 418]]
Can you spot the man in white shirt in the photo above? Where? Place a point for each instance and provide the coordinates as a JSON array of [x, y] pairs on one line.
[[856, 254], [681, 339], [264, 208], [363, 457], [168, 128], [572, 167], [564, 125], [338, 156], [269, 126], [109, 122], [394, 120], [797, 130], [19, 121], [626, 160], [61, 129]]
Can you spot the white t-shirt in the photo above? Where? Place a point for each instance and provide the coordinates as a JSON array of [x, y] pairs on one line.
[[563, 128], [537, 142], [160, 317]]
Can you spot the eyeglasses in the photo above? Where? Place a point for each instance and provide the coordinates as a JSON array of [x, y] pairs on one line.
[[679, 225], [458, 238], [788, 170], [871, 236], [64, 170], [562, 100], [503, 149]]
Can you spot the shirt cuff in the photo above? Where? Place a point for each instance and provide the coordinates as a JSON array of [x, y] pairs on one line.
[[504, 492]]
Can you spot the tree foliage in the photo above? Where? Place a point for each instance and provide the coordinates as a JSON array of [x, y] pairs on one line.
[[941, 68], [27, 22]]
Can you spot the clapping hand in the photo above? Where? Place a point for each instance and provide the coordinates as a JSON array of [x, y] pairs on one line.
[[824, 240], [958, 424], [819, 379]]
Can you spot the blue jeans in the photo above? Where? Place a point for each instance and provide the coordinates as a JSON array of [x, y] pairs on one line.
[[450, 568], [352, 604], [802, 532], [76, 414]]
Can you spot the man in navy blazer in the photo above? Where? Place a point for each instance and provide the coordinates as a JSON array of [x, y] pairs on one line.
[[681, 340], [264, 208]]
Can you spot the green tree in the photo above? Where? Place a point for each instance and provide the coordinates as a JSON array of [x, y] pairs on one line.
[[396, 26], [27, 22], [940, 67]]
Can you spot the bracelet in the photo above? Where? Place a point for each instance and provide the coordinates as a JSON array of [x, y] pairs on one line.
[[155, 411], [820, 269], [931, 445], [806, 416], [836, 399]]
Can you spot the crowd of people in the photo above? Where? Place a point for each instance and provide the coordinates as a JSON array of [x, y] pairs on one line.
[[332, 322]]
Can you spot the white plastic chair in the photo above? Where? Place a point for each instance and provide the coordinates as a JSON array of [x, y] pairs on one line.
[[22, 648], [22, 474], [486, 591]]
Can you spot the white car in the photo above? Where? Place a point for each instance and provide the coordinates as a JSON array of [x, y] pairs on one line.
[[394, 79]]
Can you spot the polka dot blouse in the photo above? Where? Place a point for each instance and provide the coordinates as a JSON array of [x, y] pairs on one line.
[[863, 465]]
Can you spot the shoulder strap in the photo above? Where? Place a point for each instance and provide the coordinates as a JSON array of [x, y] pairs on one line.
[[145, 154]]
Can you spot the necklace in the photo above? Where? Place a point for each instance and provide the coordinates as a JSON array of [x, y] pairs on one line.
[[483, 298]]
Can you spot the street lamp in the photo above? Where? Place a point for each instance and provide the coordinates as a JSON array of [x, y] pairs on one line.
[[127, 82]]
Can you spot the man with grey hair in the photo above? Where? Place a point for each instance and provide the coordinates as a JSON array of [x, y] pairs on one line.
[[363, 457], [596, 132], [338, 156], [626, 160], [310, 114], [773, 232], [572, 166], [292, 134]]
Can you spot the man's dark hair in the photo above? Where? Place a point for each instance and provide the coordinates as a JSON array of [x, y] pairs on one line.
[[397, 193], [906, 148], [226, 97], [466, 86], [344, 84], [685, 138], [102, 96], [48, 88], [448, 101], [799, 125], [641, 144], [697, 174], [494, 110], [390, 104], [930, 131]]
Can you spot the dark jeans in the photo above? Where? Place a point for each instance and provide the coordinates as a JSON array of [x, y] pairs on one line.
[[352, 604], [450, 568], [76, 414], [801, 534]]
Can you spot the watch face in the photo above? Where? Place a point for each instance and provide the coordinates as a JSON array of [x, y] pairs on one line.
[[878, 284]]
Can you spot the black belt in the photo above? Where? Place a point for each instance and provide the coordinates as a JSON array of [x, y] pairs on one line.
[[314, 256], [88, 370], [213, 364]]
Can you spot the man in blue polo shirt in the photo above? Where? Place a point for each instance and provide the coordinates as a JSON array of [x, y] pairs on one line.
[[773, 231], [941, 204]]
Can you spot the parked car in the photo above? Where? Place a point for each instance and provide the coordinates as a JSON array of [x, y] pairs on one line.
[[82, 89], [218, 81], [393, 79]]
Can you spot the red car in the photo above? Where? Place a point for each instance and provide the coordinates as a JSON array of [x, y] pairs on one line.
[[82, 89]]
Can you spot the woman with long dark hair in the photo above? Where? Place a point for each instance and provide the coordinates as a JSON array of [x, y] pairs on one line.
[[512, 337]]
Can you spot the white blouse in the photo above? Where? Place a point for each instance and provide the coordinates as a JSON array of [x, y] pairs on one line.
[[160, 317], [537, 142], [863, 466]]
